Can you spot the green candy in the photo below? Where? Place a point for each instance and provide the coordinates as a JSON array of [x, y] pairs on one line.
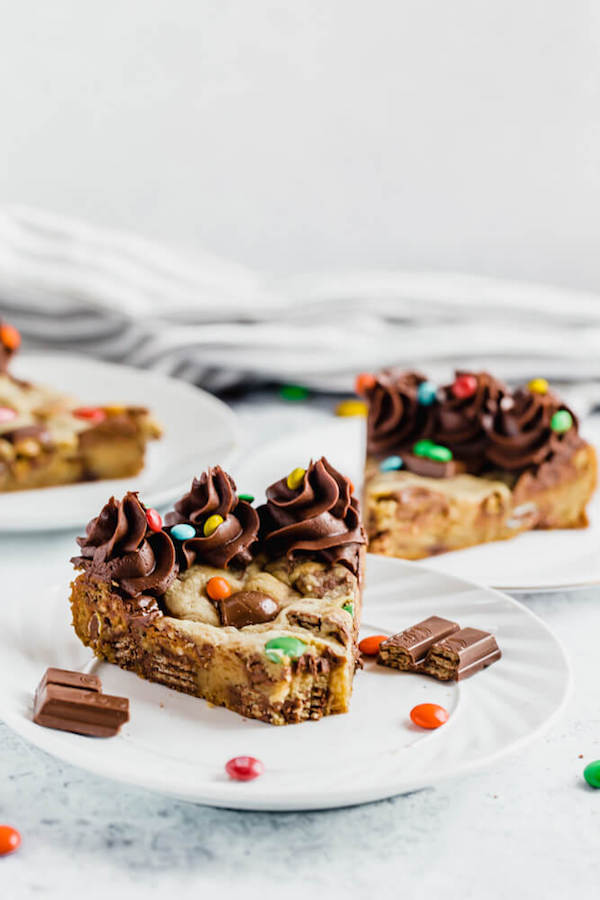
[[349, 607], [561, 421], [293, 392], [591, 773], [247, 497], [278, 648], [439, 453], [422, 448]]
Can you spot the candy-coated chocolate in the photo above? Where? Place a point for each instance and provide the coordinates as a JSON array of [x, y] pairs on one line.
[[288, 646], [364, 382], [561, 421], [464, 386], [349, 408], [349, 607], [439, 453], [244, 768], [10, 337], [10, 839], [591, 773], [153, 519], [183, 532], [218, 588], [422, 448], [295, 479], [7, 414], [28, 447], [248, 498], [91, 414], [426, 393], [429, 715], [211, 524], [114, 409], [293, 392], [391, 464], [538, 386], [369, 646]]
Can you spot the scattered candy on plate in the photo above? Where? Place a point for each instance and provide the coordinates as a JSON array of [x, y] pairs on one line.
[[591, 773], [349, 408], [10, 839], [369, 646], [244, 768], [429, 715], [293, 392]]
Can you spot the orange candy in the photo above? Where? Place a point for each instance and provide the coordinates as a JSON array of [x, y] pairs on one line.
[[429, 715], [364, 382], [10, 337], [369, 646], [218, 588], [10, 839]]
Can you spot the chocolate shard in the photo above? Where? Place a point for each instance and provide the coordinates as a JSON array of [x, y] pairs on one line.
[[432, 468], [247, 608], [80, 711], [461, 654], [407, 650]]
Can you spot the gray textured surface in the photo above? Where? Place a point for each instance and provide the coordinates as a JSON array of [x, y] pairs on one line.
[[528, 824]]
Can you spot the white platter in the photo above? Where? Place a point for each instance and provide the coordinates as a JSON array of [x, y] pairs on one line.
[[199, 431], [178, 745], [535, 561]]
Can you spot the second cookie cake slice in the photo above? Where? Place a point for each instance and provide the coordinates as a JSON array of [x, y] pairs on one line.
[[255, 610]]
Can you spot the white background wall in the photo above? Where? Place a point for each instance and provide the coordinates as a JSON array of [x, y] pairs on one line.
[[316, 134]]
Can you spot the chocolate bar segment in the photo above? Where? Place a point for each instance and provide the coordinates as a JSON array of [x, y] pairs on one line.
[[80, 711], [461, 654], [407, 650], [71, 679]]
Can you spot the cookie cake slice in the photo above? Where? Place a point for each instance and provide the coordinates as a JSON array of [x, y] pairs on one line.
[[256, 610], [469, 462], [47, 438]]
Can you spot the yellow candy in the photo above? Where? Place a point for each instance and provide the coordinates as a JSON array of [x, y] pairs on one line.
[[294, 479], [114, 410], [351, 408], [538, 386], [211, 524]]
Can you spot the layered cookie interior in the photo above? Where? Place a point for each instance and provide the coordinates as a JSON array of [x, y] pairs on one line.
[[469, 462], [254, 609], [47, 438]]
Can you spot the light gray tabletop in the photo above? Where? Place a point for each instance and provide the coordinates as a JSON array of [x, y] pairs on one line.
[[527, 826]]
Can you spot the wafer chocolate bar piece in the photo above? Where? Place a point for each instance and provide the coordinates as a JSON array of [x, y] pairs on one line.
[[461, 654], [72, 703], [407, 651]]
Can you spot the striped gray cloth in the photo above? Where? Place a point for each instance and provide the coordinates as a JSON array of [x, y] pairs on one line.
[[72, 287]]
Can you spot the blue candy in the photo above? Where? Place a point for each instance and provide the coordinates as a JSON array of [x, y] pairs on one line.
[[391, 464], [183, 532], [426, 393]]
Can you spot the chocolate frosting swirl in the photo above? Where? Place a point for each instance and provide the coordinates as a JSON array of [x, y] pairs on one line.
[[396, 418], [459, 423], [214, 493], [118, 546], [520, 434], [320, 518]]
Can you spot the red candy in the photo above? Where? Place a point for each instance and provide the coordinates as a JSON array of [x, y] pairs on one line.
[[464, 386], [429, 715], [364, 382], [7, 414], [90, 413], [10, 840], [244, 768], [154, 520], [369, 646]]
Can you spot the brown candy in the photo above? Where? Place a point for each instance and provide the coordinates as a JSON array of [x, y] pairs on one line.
[[247, 608]]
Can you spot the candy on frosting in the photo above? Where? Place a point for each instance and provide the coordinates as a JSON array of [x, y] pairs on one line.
[[119, 546], [10, 341], [520, 433], [213, 496], [396, 418], [319, 518], [459, 418]]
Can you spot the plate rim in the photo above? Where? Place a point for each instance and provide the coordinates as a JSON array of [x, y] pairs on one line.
[[227, 414], [220, 797]]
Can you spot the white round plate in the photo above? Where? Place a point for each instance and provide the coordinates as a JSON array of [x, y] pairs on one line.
[[178, 745], [199, 431], [534, 561]]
